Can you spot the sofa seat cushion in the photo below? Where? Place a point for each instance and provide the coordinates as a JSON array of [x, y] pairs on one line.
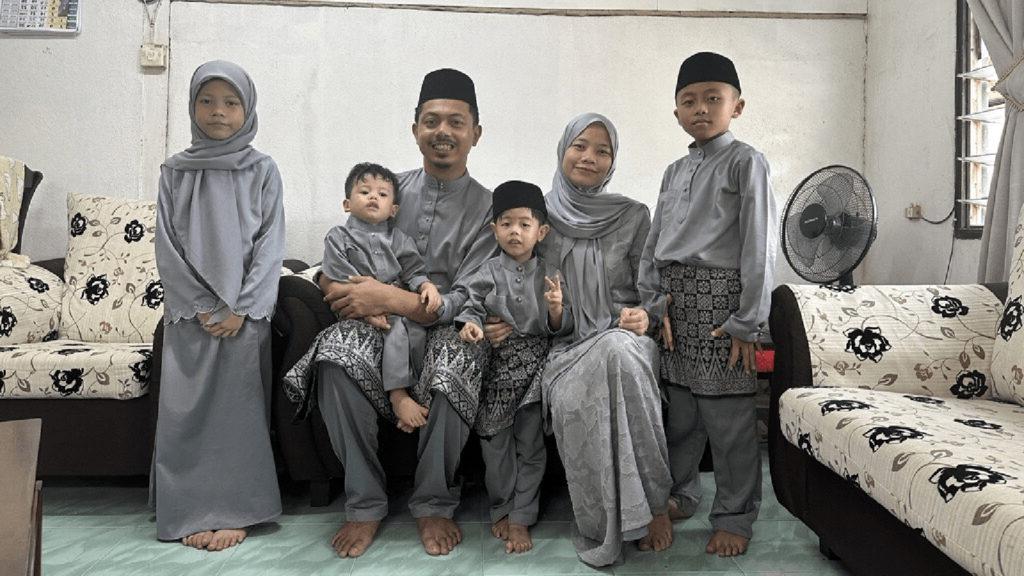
[[926, 340], [74, 369], [953, 469], [29, 304]]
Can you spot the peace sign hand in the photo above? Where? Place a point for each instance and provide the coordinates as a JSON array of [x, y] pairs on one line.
[[553, 294]]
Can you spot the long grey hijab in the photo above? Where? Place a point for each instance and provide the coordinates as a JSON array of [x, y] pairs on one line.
[[583, 216], [204, 188]]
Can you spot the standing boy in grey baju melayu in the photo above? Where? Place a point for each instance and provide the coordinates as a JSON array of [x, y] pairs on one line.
[[707, 274]]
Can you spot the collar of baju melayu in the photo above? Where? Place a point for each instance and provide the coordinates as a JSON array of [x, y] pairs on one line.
[[448, 186], [355, 224], [714, 146], [509, 263]]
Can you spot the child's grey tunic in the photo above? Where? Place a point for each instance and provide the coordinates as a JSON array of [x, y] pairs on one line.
[[359, 248]]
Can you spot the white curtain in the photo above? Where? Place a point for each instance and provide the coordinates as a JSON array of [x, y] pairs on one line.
[[1001, 23]]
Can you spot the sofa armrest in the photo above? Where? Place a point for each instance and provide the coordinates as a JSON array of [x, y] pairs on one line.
[[54, 265], [294, 264]]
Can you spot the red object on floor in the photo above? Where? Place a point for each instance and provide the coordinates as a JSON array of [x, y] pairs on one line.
[[765, 361]]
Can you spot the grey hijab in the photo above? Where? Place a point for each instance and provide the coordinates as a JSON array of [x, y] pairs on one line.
[[583, 216], [208, 224]]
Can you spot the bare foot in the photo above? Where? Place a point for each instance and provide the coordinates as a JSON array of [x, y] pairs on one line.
[[199, 540], [223, 539], [676, 514], [659, 534], [727, 544], [500, 528], [353, 538], [518, 539], [438, 535]]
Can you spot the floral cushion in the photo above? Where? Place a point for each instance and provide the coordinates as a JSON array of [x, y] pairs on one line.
[[72, 369], [309, 273], [112, 291], [29, 304], [927, 340], [953, 469], [1008, 352]]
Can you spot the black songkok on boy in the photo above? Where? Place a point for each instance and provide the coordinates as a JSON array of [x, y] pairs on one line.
[[448, 84], [707, 67], [516, 194]]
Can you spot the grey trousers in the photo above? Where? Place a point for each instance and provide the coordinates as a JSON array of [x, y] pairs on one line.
[[514, 462], [352, 426], [730, 424]]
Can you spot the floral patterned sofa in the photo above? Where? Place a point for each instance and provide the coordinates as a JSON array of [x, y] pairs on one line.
[[77, 341], [897, 426]]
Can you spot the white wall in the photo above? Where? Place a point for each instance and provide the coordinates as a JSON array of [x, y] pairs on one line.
[[909, 142], [80, 110]]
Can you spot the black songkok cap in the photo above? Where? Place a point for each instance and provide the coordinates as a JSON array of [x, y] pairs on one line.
[[516, 194], [707, 67], [448, 84]]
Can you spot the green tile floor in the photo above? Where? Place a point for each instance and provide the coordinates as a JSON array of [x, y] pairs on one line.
[[103, 529]]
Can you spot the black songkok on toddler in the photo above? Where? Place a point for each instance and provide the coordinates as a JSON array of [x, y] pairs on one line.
[[448, 84], [516, 194], [707, 67]]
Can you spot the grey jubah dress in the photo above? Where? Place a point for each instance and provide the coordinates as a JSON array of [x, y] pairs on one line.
[[219, 247], [600, 386]]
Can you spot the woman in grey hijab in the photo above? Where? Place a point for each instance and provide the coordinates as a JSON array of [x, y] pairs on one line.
[[600, 386], [219, 247]]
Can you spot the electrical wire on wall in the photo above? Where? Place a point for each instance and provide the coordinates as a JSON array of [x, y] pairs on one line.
[[952, 244]]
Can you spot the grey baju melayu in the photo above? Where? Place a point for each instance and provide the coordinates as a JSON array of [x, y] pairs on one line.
[[509, 422], [219, 247], [600, 386], [449, 222], [712, 247]]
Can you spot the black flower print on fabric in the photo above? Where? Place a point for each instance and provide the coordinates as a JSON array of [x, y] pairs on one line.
[[95, 289], [867, 344], [969, 384], [804, 443], [154, 296], [141, 369], [882, 435], [925, 400], [77, 224], [7, 349], [133, 231], [3, 385], [67, 382], [844, 288], [7, 321], [1012, 319], [965, 478], [949, 307], [842, 406], [70, 351], [975, 423], [51, 336], [37, 285]]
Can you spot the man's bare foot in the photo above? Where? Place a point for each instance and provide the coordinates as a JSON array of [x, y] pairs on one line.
[[518, 539], [727, 544], [199, 540], [438, 535], [500, 528], [223, 539], [675, 513], [659, 534], [353, 538]]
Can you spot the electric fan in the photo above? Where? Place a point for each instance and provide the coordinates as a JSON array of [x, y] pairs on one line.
[[828, 225]]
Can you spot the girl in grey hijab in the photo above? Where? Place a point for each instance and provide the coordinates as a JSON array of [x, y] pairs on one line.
[[599, 388], [219, 247]]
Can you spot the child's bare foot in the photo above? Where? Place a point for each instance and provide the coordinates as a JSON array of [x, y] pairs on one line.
[[199, 540], [659, 534], [500, 528], [727, 544], [675, 513], [518, 539], [223, 539], [353, 538], [438, 535]]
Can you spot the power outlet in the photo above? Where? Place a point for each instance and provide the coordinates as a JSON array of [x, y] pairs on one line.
[[153, 56], [913, 212]]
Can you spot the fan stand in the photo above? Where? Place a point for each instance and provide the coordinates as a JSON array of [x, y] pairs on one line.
[[846, 279]]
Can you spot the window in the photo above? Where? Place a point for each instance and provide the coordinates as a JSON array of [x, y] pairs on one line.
[[979, 126]]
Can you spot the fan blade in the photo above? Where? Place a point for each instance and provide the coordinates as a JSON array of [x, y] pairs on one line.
[[806, 250], [832, 190]]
